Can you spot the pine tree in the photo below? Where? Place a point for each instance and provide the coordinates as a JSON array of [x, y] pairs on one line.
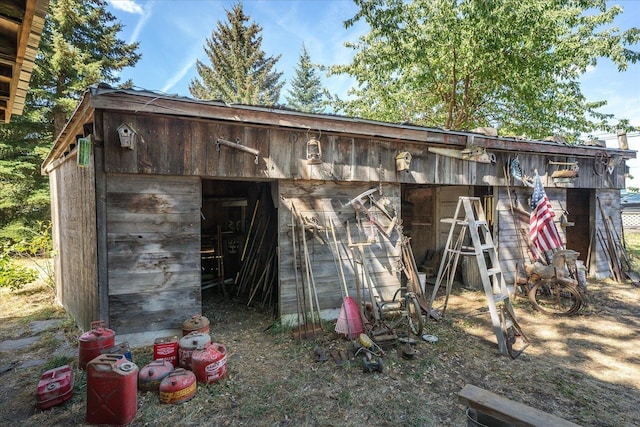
[[306, 93], [79, 47], [239, 72]]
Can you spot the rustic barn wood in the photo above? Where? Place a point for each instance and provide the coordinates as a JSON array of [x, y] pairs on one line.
[[146, 210]]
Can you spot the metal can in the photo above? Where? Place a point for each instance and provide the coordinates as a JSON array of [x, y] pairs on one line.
[[92, 342], [166, 348], [152, 374], [112, 386], [209, 363], [197, 323], [177, 387], [122, 348], [187, 344], [55, 387]]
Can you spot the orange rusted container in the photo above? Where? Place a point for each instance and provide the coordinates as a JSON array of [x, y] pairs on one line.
[[197, 323]]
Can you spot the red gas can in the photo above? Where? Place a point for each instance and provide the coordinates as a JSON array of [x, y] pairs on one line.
[[197, 323], [152, 374], [209, 363], [187, 344], [93, 341], [166, 348], [177, 387], [112, 385], [55, 387]]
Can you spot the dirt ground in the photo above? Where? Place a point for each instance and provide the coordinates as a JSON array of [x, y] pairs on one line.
[[584, 368]]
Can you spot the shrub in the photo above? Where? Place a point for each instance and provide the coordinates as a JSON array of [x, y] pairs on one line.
[[13, 276]]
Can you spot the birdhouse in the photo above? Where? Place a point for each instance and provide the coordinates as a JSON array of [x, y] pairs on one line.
[[403, 161], [128, 136]]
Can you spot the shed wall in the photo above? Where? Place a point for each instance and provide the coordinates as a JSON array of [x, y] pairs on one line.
[[153, 250], [73, 211], [322, 203]]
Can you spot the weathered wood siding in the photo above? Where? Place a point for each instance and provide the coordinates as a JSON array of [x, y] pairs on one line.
[[153, 246], [321, 203], [607, 209], [169, 145], [73, 205]]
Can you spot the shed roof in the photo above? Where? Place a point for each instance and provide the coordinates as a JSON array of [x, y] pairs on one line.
[[104, 97], [21, 25]]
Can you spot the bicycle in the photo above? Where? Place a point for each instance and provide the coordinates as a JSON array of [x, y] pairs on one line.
[[555, 289]]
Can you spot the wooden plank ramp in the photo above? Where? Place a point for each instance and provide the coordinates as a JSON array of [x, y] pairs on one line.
[[506, 410]]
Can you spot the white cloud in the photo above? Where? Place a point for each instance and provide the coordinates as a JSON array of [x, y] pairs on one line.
[[129, 6], [145, 15], [179, 75]]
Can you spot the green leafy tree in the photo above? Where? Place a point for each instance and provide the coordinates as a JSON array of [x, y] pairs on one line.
[[306, 93], [460, 64], [79, 47], [240, 72]]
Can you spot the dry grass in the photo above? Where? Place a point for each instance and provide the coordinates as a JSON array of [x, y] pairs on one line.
[[584, 368]]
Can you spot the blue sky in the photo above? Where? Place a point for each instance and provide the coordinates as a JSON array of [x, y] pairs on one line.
[[172, 35]]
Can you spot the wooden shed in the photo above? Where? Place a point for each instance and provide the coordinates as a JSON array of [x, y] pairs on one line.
[[157, 197]]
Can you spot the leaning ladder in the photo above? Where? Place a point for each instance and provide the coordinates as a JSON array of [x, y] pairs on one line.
[[469, 218]]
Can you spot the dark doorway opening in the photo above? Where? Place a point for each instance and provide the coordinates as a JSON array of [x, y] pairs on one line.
[[578, 225], [239, 226]]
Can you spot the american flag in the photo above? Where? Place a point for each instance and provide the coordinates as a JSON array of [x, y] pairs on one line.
[[542, 230]]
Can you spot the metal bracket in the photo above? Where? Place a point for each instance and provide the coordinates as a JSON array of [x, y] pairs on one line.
[[238, 146]]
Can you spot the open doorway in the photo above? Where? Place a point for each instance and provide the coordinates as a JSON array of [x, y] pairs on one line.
[[239, 226], [578, 221]]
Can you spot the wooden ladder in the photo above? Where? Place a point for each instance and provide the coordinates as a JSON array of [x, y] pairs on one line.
[[469, 218]]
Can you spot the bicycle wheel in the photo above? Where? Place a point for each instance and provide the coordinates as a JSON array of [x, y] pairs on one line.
[[553, 298], [414, 314]]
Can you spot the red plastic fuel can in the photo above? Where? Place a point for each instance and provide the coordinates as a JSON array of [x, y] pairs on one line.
[[166, 348], [92, 342], [187, 344], [177, 387], [209, 363], [112, 386], [55, 387], [197, 323], [152, 374]]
